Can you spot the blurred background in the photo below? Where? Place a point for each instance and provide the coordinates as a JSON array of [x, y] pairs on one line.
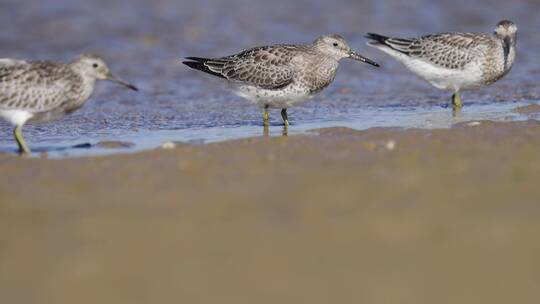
[[144, 41]]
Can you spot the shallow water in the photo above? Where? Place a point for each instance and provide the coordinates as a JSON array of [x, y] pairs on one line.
[[144, 41]]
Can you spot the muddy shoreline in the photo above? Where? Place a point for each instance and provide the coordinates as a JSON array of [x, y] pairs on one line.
[[381, 216]]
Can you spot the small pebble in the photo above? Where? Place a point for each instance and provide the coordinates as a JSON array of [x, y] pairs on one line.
[[390, 145], [168, 145]]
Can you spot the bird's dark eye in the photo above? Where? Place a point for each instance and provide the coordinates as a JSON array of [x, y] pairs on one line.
[[95, 65], [336, 44]]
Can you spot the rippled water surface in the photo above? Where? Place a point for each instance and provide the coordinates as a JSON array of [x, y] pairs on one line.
[[144, 40]]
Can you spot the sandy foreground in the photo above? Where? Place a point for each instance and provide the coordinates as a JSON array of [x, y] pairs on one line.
[[345, 216]]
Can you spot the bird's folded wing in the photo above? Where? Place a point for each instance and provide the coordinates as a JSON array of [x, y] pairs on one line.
[[448, 50], [264, 67], [24, 88]]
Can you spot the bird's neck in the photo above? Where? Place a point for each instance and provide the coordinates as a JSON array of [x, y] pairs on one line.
[[84, 88], [324, 71]]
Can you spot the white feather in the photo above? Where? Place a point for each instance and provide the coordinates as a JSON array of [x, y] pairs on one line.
[[470, 77], [6, 62], [16, 117], [284, 98]]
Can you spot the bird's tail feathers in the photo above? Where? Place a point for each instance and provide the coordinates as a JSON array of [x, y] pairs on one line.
[[207, 65], [398, 44]]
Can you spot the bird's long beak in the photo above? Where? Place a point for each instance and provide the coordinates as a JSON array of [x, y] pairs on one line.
[[356, 56], [118, 80]]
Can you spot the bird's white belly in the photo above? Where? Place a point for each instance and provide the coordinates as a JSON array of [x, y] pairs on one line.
[[470, 77], [282, 98], [16, 117]]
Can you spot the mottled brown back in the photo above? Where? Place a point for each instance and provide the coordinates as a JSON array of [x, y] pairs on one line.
[[267, 67], [448, 50], [38, 86]]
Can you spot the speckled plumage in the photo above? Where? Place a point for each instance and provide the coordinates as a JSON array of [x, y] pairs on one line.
[[43, 91], [455, 61], [46, 89], [275, 67], [280, 76]]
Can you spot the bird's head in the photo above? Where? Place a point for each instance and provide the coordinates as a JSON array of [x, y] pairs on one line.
[[506, 30], [96, 68], [336, 47]]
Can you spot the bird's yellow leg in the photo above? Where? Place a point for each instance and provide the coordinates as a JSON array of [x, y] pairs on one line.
[[266, 117], [456, 100], [23, 148], [285, 117]]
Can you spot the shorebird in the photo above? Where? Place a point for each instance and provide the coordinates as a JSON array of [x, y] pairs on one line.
[[455, 61], [281, 76], [42, 91]]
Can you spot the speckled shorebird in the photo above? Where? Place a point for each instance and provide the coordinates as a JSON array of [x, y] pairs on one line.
[[281, 76], [42, 91], [455, 61]]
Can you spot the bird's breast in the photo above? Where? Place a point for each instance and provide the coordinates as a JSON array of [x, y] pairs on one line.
[[78, 93], [318, 74]]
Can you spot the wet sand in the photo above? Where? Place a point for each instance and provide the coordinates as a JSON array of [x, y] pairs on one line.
[[338, 216]]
